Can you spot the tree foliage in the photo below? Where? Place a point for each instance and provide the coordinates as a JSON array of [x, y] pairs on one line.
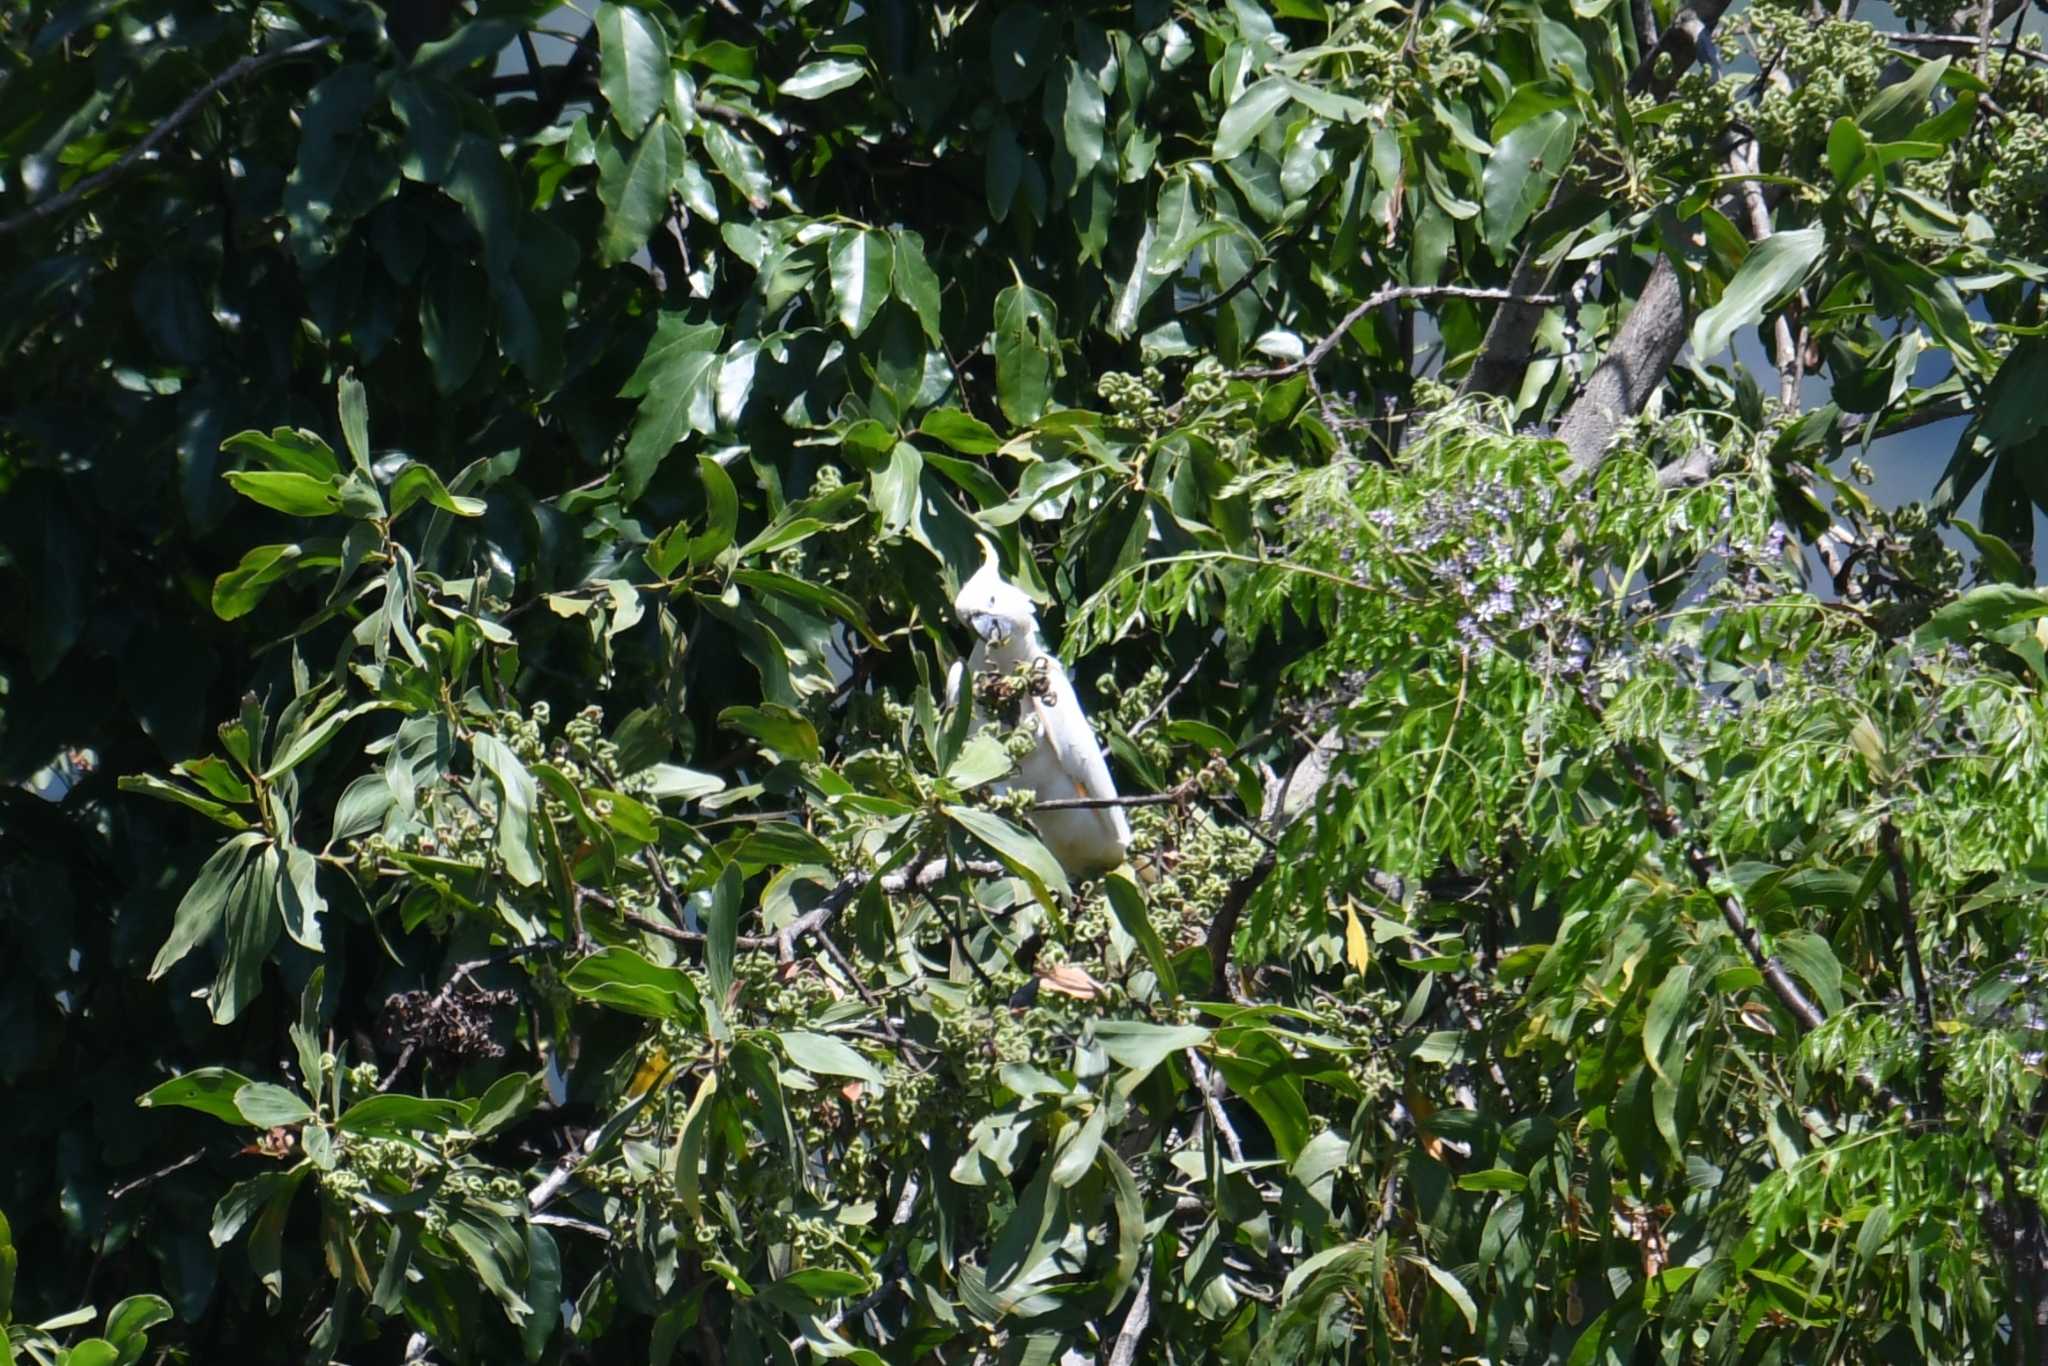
[[482, 505]]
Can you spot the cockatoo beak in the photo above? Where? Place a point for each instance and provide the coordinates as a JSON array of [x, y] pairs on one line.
[[989, 627]]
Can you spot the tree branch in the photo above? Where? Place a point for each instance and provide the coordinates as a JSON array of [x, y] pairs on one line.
[[1909, 930], [1954, 40], [1497, 369], [1320, 352], [92, 184], [1620, 388]]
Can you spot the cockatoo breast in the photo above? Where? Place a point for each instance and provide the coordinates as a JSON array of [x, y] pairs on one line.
[[1067, 761]]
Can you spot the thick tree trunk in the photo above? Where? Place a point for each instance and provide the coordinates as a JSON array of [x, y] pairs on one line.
[[1620, 388]]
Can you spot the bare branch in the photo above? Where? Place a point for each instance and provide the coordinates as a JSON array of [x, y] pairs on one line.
[[1320, 352], [1125, 1351], [1909, 931], [190, 105], [1918, 41]]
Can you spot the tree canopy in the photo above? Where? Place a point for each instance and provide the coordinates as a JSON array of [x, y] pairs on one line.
[[492, 869]]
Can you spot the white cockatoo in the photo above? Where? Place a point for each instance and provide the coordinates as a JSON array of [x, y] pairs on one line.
[[1067, 762]]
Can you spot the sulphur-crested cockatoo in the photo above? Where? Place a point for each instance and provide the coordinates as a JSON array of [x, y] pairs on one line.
[[1067, 762]]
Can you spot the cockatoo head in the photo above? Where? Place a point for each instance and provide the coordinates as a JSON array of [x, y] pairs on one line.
[[993, 608]]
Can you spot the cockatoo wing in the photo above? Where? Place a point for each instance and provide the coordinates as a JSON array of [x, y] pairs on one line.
[[1069, 763]]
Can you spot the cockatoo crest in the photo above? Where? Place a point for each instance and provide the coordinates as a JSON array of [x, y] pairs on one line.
[[995, 609]]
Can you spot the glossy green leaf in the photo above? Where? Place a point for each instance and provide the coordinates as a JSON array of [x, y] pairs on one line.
[[815, 80], [860, 263], [1027, 352], [1774, 268], [826, 1056], [633, 67], [292, 493], [1519, 174], [266, 1106], [208, 1089], [1019, 850]]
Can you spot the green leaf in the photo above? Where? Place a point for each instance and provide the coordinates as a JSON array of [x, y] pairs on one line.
[[860, 263], [1774, 268], [1141, 1046], [624, 980], [205, 903], [1027, 352], [149, 785], [1455, 1290], [299, 495], [1519, 174], [2013, 412], [517, 801], [353, 404], [543, 1291], [395, 1115], [1664, 1023], [721, 513], [633, 67], [1895, 110], [815, 80], [740, 162], [91, 1352], [721, 934], [497, 1251], [779, 728], [236, 593], [634, 189], [968, 435], [268, 1107], [1075, 1156], [129, 1321], [1021, 45], [1248, 116], [287, 448], [1128, 905], [1813, 958], [676, 385], [824, 1055], [416, 481], [915, 283], [211, 1090], [251, 923], [1019, 850], [896, 488], [1979, 612], [2001, 561], [1083, 114]]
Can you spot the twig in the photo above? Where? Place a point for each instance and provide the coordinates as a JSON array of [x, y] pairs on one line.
[[92, 184], [959, 940], [1243, 282], [1910, 40], [783, 941], [130, 1187], [1664, 819], [1212, 1103], [1145, 721], [1318, 353], [1126, 1349], [1229, 911], [579, 1225], [1909, 930]]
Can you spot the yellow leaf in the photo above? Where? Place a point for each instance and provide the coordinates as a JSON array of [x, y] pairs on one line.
[[653, 1067], [1357, 949]]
